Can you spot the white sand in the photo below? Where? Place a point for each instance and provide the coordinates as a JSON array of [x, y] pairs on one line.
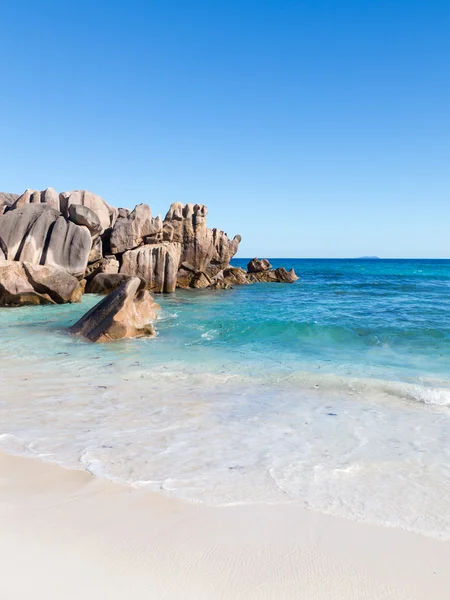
[[67, 535]]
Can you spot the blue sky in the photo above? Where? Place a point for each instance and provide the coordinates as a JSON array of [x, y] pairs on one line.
[[314, 128]]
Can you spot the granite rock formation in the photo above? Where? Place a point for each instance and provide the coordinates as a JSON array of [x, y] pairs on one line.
[[126, 312], [23, 283], [279, 275], [107, 214], [6, 200], [207, 250], [48, 196], [80, 232], [157, 264], [130, 231], [257, 265], [38, 234]]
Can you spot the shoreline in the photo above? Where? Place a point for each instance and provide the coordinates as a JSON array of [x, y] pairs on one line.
[[66, 533]]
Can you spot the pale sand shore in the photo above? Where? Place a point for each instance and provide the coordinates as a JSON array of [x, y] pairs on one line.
[[67, 535]]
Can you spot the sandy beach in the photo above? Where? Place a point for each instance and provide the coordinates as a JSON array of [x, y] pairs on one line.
[[66, 534]]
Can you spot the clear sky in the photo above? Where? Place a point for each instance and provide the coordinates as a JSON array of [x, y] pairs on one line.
[[314, 128]]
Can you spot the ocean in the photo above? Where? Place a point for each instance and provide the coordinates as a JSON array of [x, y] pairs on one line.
[[332, 392]]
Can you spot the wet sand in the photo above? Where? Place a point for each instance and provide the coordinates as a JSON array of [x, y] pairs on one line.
[[66, 534]]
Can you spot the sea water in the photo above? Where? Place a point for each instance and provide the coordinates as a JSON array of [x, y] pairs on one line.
[[332, 392]]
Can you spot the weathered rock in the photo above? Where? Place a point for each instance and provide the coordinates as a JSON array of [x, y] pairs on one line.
[[130, 231], [279, 275], [3, 250], [123, 213], [200, 280], [96, 253], [83, 215], [104, 283], [185, 275], [6, 200], [108, 264], [157, 264], [234, 276], [257, 265], [48, 196], [23, 283], [126, 312], [208, 250], [39, 234], [107, 214]]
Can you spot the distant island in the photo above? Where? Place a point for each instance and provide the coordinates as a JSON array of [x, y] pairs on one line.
[[368, 258]]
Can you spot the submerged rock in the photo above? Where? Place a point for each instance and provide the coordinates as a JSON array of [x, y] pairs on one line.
[[125, 313], [23, 283]]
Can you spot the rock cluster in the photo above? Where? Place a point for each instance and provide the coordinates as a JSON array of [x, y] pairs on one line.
[[101, 247]]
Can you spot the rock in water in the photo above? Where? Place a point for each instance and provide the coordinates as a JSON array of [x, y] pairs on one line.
[[279, 275], [23, 283], [157, 264], [125, 313], [38, 234], [258, 266]]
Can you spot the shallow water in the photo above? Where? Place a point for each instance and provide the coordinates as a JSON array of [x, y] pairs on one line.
[[333, 392]]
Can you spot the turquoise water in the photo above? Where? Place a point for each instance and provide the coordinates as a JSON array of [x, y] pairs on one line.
[[333, 392]]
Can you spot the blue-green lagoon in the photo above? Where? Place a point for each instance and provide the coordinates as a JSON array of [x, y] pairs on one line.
[[333, 392]]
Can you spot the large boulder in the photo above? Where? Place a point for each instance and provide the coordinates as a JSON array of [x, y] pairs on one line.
[[48, 196], [207, 250], [156, 264], [107, 214], [83, 215], [257, 265], [126, 312], [39, 234], [23, 283], [130, 230]]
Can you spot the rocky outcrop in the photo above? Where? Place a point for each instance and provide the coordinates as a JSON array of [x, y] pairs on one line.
[[207, 250], [257, 265], [48, 196], [279, 275], [131, 230], [82, 233], [126, 312], [107, 214], [38, 234], [23, 283], [157, 264]]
